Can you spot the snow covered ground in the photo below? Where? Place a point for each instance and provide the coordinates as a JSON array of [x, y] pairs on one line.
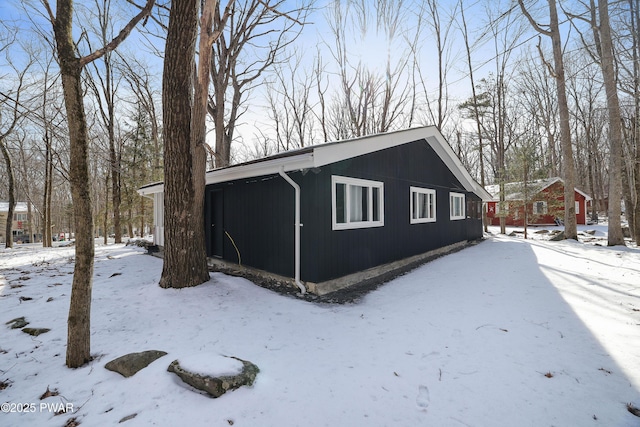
[[508, 332]]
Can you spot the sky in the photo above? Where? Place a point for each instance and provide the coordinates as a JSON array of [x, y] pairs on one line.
[[506, 332], [369, 48]]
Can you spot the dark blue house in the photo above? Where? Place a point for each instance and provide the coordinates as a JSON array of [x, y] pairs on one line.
[[333, 215]]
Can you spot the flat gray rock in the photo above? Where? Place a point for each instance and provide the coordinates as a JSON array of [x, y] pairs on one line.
[[129, 364], [17, 323], [35, 331]]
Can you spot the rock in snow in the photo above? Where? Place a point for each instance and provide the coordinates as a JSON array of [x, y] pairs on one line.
[[129, 364], [218, 376]]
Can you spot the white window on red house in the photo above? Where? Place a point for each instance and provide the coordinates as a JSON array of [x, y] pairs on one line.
[[539, 208]]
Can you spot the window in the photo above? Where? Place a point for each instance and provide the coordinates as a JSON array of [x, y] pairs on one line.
[[539, 208], [577, 207], [456, 206], [423, 205], [356, 203], [474, 209], [20, 217]]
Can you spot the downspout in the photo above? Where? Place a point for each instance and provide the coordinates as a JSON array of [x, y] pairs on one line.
[[297, 226]]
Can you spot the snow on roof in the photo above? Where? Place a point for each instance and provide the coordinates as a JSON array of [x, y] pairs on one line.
[[20, 207], [515, 190]]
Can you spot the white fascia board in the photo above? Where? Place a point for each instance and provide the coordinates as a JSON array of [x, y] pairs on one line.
[[335, 152], [329, 153], [449, 157], [268, 167], [586, 196], [151, 189]]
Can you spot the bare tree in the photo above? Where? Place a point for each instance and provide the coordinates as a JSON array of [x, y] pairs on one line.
[[615, 235], [71, 66], [103, 83], [542, 107], [368, 101], [552, 30], [604, 54], [47, 139], [501, 125], [290, 104], [141, 84], [258, 32], [10, 115], [590, 127], [441, 31], [474, 105], [634, 91]]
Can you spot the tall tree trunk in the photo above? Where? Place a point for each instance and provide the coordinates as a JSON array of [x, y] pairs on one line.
[[48, 185], [476, 111], [115, 175], [570, 227], [626, 197], [79, 321], [79, 330], [105, 217], [184, 257], [615, 127], [46, 207], [635, 137], [12, 197]]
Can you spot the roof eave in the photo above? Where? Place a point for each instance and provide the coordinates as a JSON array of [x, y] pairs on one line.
[[149, 189], [267, 167]]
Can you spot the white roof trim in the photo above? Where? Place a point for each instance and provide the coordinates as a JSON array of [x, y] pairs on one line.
[[324, 154], [267, 167], [19, 207], [151, 189]]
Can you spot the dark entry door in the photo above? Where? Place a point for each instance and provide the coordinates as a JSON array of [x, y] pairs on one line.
[[214, 217]]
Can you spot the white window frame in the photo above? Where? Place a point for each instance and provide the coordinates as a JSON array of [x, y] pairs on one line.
[[544, 207], [457, 215], [431, 194], [356, 182], [577, 207]]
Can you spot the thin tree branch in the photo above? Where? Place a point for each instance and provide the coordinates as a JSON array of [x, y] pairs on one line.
[[120, 37], [532, 21]]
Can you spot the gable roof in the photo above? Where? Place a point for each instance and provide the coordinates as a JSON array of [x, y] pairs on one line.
[[323, 154], [514, 190]]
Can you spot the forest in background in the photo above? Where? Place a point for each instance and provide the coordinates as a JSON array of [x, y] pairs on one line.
[[292, 74]]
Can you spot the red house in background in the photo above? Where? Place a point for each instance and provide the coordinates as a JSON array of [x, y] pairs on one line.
[[545, 203]]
